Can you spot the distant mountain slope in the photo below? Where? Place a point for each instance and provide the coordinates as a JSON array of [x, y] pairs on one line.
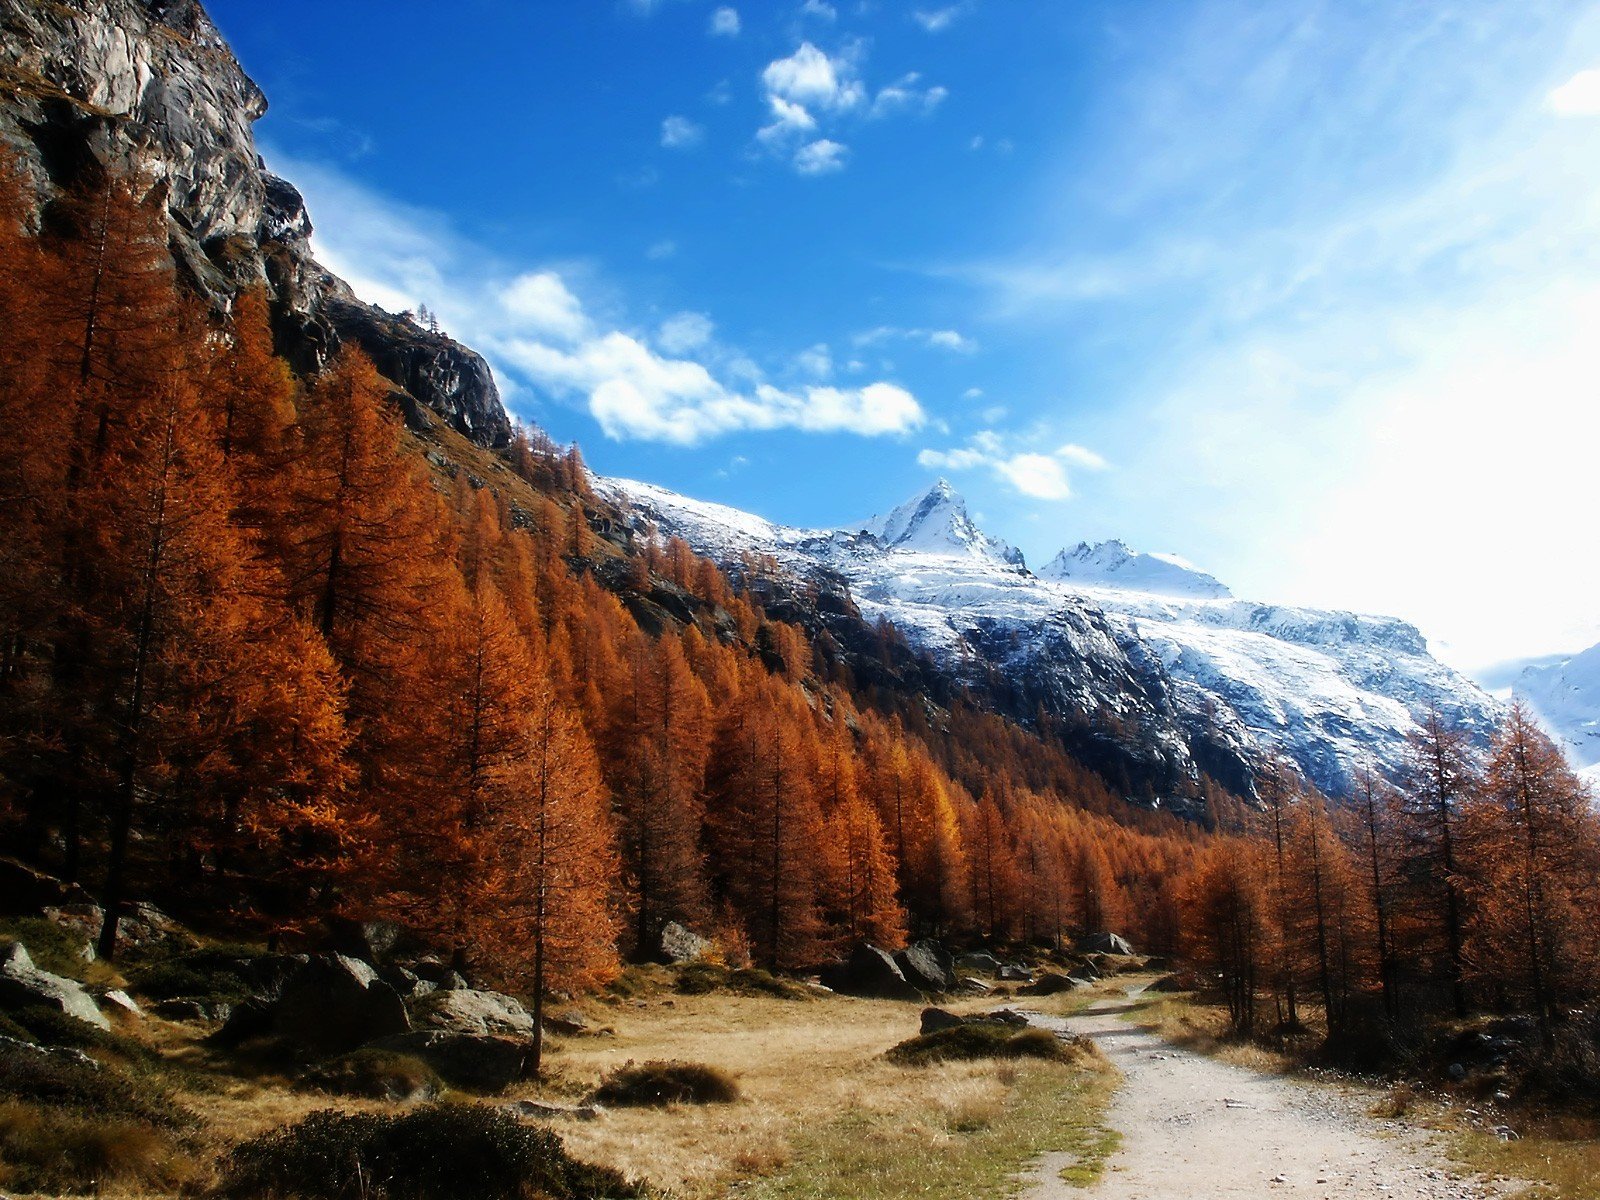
[[1142, 645], [1565, 695], [1113, 564]]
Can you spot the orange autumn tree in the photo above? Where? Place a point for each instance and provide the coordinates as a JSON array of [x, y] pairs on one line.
[[858, 872], [544, 896]]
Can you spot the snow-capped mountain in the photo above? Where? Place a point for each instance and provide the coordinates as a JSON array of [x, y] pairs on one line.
[[1141, 649], [1565, 696], [1113, 564]]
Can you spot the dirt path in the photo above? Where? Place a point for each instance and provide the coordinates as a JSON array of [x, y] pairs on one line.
[[1194, 1128]]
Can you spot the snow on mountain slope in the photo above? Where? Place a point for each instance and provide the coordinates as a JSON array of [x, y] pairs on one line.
[[1136, 641], [1113, 564], [1565, 696]]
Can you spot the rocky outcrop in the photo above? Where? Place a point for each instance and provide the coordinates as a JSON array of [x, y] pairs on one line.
[[870, 972], [149, 89], [928, 966], [469, 1011], [23, 985]]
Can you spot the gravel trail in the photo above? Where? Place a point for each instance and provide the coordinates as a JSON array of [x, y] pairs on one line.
[[1194, 1128]]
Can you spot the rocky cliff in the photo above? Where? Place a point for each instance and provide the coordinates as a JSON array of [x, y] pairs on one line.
[[150, 89]]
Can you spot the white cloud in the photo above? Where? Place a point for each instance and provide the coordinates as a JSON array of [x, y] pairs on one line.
[[685, 332], [535, 331], [816, 361], [680, 133], [812, 78], [1028, 472], [934, 339], [907, 95], [1578, 96], [724, 23], [820, 157], [636, 394], [937, 20], [820, 9], [540, 303], [789, 120]]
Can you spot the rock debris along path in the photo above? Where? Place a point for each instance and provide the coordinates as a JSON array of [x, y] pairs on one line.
[[1194, 1128]]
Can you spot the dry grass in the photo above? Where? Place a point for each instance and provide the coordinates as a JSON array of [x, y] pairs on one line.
[[1561, 1153]]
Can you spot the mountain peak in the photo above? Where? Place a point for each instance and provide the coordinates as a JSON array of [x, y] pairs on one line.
[[936, 521], [1114, 564]]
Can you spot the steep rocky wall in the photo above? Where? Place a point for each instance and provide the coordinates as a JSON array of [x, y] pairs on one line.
[[150, 88]]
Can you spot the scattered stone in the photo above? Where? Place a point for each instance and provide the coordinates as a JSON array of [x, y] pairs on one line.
[[1012, 973], [23, 985], [679, 945], [464, 1010], [16, 1051], [1175, 982], [928, 966], [972, 987], [184, 1008], [569, 1023], [1007, 1016], [870, 972], [1106, 943], [483, 1062]]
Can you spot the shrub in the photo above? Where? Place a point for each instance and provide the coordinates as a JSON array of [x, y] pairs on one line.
[[376, 1075], [442, 1152], [698, 979], [213, 975], [77, 1084], [45, 1149], [987, 1039], [657, 1084]]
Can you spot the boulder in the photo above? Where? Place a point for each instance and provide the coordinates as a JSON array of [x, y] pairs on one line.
[[972, 987], [679, 945], [568, 1023], [334, 1003], [1050, 984], [1105, 943], [452, 981], [935, 1019], [1007, 1016], [870, 972], [122, 1002], [927, 965], [1012, 973], [483, 1062], [464, 1010], [371, 941], [1085, 969], [248, 1020], [184, 1008], [23, 985], [268, 973], [979, 960]]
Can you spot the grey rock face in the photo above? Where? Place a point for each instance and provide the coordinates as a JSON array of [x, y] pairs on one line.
[[468, 1011], [23, 985], [870, 972], [150, 88], [1105, 943], [333, 1003], [927, 965], [680, 945]]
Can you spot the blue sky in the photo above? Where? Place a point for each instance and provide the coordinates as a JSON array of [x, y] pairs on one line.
[[1305, 292]]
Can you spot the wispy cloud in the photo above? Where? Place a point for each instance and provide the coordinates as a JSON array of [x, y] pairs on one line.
[[934, 339], [724, 23], [675, 384], [1032, 473], [680, 133]]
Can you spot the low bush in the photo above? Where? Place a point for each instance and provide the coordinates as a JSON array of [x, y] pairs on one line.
[[76, 1084], [657, 1084], [442, 1152], [45, 1149], [213, 975], [699, 979], [375, 1075], [987, 1039]]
